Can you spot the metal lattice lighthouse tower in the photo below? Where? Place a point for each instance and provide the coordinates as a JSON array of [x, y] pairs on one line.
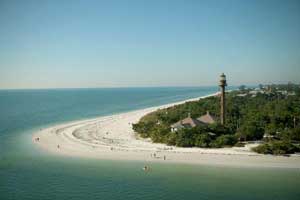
[[222, 85]]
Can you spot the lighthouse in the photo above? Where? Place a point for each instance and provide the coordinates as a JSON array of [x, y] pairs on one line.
[[222, 85]]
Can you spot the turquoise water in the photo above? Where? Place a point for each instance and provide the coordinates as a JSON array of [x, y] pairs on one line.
[[26, 173]]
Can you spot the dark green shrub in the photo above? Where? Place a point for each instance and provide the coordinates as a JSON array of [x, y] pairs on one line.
[[224, 140], [203, 140], [276, 148]]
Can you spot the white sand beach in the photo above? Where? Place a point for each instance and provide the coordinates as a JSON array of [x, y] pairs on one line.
[[112, 137]]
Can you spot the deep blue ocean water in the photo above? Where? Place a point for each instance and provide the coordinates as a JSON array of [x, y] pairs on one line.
[[27, 173]]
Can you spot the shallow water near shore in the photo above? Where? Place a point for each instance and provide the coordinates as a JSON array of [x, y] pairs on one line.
[[58, 178], [28, 173]]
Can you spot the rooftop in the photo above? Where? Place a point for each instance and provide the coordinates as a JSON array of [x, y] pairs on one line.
[[207, 119], [190, 122]]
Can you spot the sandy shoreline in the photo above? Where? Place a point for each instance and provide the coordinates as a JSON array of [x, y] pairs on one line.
[[112, 137]]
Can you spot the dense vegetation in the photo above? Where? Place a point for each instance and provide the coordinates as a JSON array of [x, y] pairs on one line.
[[271, 110], [277, 147]]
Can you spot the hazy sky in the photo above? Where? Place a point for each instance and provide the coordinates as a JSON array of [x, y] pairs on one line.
[[54, 44]]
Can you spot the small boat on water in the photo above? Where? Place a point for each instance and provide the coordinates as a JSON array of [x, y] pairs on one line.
[[146, 168]]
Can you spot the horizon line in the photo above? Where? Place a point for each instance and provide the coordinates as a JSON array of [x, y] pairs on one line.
[[123, 87]]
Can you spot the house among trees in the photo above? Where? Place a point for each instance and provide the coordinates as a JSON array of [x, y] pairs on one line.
[[205, 119], [190, 122], [208, 118]]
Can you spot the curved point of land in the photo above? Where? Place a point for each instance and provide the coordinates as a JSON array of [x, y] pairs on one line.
[[112, 137]]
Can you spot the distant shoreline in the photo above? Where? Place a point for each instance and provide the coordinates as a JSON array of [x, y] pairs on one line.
[[112, 138]]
